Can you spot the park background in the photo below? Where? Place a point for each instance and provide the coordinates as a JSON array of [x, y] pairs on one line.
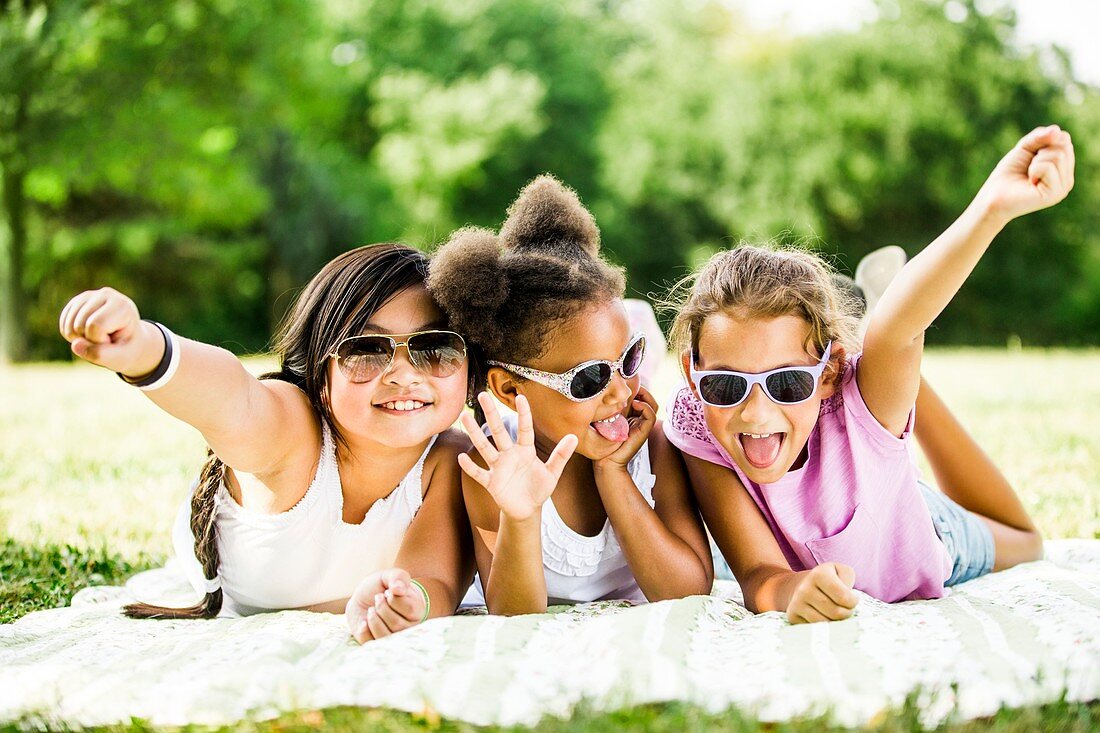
[[207, 156]]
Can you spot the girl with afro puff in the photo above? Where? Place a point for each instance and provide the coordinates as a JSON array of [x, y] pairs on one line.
[[578, 496]]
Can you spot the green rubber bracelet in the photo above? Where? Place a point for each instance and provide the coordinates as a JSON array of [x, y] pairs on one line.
[[427, 600]]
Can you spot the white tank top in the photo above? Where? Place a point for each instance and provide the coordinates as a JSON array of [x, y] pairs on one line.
[[307, 554], [579, 568]]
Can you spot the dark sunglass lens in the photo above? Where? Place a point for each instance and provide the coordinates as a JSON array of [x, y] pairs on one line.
[[632, 359], [722, 389], [790, 385], [590, 381], [439, 354], [364, 358]]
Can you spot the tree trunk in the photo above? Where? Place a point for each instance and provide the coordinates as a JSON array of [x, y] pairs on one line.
[[13, 307]]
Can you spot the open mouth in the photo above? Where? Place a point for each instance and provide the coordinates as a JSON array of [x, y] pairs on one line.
[[615, 428], [761, 449], [403, 407]]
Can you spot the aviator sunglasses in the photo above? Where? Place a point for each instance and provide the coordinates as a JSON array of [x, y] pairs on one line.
[[784, 386], [588, 379], [363, 358]]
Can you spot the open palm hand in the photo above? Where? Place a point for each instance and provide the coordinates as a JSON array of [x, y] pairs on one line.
[[514, 476]]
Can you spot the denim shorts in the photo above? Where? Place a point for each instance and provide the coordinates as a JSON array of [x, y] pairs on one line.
[[968, 541]]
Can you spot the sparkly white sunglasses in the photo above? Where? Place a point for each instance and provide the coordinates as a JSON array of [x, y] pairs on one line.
[[588, 379]]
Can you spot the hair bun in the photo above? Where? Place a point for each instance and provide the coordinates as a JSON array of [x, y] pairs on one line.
[[547, 217], [467, 280]]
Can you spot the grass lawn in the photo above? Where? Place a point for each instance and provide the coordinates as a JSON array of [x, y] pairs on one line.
[[91, 476]]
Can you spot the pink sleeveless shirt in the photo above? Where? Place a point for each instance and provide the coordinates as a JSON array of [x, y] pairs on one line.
[[855, 500]]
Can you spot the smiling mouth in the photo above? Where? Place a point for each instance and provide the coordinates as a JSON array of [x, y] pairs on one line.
[[403, 407], [761, 449]]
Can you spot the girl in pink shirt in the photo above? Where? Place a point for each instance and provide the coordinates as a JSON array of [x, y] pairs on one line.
[[798, 447]]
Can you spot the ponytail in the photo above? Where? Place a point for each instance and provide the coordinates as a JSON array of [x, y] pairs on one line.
[[203, 527]]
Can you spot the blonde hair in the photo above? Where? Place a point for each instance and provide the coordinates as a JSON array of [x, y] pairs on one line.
[[767, 281]]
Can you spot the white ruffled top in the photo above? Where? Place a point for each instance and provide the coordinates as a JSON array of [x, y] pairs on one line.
[[580, 568]]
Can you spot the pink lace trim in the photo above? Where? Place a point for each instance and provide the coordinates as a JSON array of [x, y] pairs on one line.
[[687, 417]]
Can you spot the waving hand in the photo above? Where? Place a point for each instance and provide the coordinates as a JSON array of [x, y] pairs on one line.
[[513, 474]]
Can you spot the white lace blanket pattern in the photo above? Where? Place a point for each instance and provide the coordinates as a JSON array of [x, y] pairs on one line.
[[1025, 636]]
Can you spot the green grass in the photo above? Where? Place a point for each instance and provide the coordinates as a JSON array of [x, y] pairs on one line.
[[91, 475], [671, 718]]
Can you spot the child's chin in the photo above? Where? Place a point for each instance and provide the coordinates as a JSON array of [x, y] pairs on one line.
[[595, 449], [763, 475], [594, 453], [405, 436]]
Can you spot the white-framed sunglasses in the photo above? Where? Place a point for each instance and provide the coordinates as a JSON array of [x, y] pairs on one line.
[[363, 358], [783, 386], [588, 379]]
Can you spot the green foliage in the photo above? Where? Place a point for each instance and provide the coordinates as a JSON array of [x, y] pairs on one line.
[[671, 718], [231, 148], [36, 578], [883, 136]]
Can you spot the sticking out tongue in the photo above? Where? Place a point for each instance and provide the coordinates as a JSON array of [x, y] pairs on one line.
[[614, 430], [761, 452]]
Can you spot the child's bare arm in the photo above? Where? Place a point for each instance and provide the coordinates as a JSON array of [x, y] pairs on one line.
[[436, 549], [666, 546], [246, 422], [1034, 175], [434, 565], [509, 559], [823, 593], [517, 483]]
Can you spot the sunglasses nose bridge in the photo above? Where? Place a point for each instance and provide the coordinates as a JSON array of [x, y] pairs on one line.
[[401, 362], [618, 387], [756, 405]]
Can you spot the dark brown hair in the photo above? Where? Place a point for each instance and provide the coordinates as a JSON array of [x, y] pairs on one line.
[[337, 303], [506, 292]]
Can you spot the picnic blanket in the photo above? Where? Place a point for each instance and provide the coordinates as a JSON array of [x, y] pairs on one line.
[[1024, 636]]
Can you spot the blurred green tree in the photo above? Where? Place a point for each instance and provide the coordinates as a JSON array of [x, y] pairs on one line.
[[461, 102], [140, 144], [883, 136], [208, 156], [680, 107]]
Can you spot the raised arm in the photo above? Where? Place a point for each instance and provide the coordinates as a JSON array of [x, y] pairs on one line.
[[248, 423], [505, 492], [823, 593], [1034, 175]]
